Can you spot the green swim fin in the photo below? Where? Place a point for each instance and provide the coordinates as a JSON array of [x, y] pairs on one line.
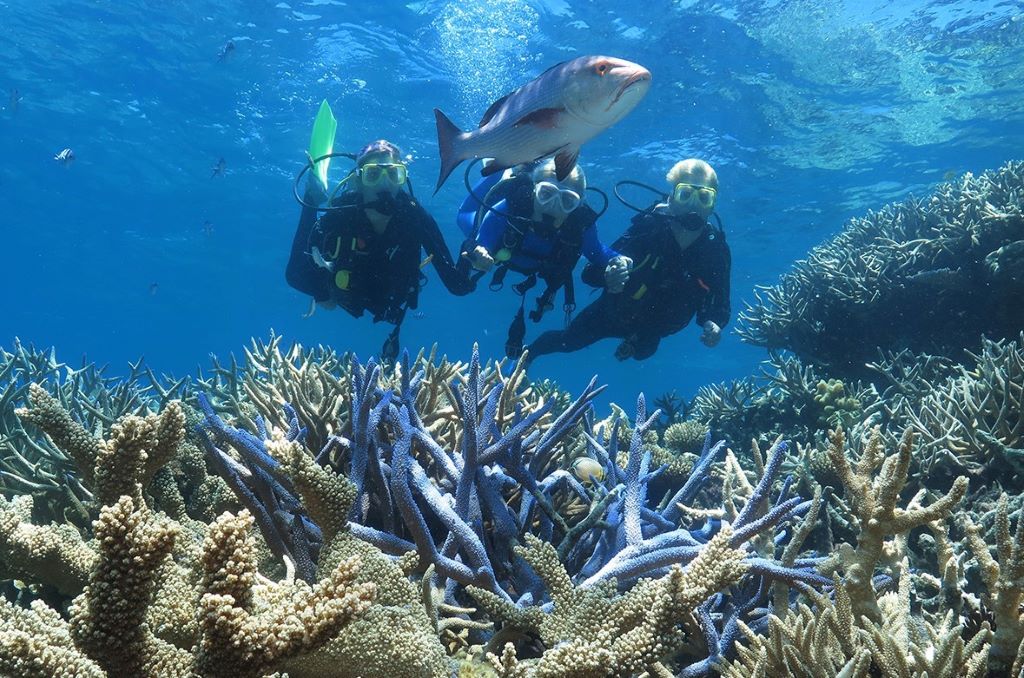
[[321, 141]]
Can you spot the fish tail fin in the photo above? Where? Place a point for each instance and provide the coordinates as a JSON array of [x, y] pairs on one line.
[[447, 138]]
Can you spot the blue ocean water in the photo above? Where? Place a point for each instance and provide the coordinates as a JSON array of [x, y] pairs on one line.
[[811, 111]]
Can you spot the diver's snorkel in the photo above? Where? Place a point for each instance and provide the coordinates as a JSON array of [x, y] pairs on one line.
[[312, 162]]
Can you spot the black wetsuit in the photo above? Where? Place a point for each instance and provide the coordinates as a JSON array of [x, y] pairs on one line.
[[667, 287], [370, 271]]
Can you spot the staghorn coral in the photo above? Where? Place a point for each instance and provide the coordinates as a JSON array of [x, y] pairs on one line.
[[517, 491], [485, 496], [1002, 581], [594, 632], [864, 288], [829, 640], [977, 413], [107, 619], [317, 385], [788, 398], [242, 638], [137, 599], [30, 462], [856, 628], [873, 503]]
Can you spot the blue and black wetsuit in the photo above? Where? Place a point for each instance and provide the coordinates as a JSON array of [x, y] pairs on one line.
[[667, 287], [371, 270], [536, 249]]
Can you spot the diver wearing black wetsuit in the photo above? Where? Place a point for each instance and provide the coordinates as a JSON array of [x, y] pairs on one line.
[[680, 268], [365, 255], [369, 270]]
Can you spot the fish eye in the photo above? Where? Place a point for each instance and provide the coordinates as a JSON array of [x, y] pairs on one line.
[[601, 68]]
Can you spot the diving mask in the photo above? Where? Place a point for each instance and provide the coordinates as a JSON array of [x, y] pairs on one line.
[[551, 196], [695, 195], [373, 173]]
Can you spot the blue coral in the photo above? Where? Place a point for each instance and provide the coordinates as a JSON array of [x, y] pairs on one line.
[[484, 498]]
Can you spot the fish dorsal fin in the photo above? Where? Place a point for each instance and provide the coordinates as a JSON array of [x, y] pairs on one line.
[[565, 161], [545, 118], [493, 109]]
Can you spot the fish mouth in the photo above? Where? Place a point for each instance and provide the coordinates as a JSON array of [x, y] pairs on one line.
[[641, 75]]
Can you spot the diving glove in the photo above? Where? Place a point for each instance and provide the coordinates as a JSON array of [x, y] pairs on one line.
[[616, 273], [711, 335], [480, 258], [627, 348]]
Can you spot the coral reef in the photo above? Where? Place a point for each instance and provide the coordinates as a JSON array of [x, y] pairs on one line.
[[499, 481], [930, 274], [30, 463], [489, 527], [788, 398], [857, 628]]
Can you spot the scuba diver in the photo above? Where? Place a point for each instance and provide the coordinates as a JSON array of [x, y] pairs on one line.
[[525, 220], [364, 253], [682, 267]]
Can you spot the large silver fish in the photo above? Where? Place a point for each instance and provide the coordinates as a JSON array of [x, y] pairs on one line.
[[553, 114]]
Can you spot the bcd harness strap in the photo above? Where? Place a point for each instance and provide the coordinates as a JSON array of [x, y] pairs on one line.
[[544, 302]]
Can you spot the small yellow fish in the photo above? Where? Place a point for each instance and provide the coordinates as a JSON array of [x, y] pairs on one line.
[[585, 468]]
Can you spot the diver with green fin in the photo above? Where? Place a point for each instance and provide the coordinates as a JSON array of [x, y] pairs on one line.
[[528, 221], [360, 246], [678, 267]]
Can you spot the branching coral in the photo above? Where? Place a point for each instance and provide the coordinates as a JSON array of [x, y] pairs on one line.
[[36, 643], [829, 640], [55, 554], [464, 526], [873, 501], [132, 581], [865, 288], [594, 632], [977, 414], [241, 637], [498, 487], [789, 398], [31, 462], [1002, 579], [854, 627]]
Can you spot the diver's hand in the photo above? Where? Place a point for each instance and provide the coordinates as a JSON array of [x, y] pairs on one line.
[[712, 334], [616, 273], [626, 349], [480, 258]]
